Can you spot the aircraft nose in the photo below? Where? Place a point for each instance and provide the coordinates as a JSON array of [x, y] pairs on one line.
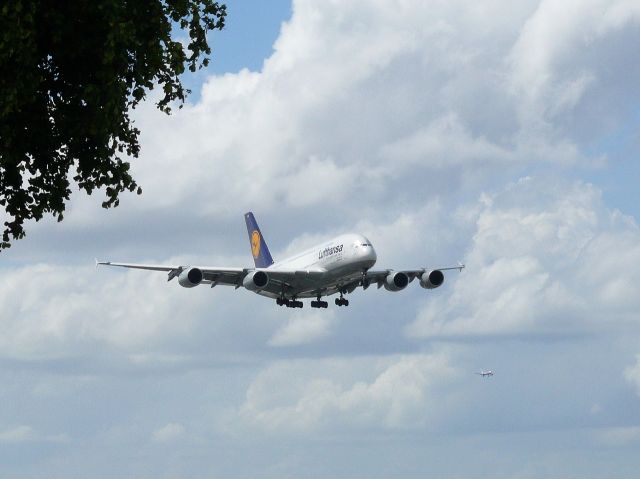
[[370, 253]]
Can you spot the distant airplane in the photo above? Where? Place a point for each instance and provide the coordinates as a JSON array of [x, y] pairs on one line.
[[485, 374], [337, 266]]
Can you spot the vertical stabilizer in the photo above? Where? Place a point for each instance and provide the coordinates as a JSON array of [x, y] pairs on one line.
[[259, 249]]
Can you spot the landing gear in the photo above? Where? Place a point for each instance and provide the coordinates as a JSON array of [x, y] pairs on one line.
[[289, 303], [365, 282], [341, 301], [319, 303]]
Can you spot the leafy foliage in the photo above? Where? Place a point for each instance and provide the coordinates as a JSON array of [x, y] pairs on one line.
[[71, 73]]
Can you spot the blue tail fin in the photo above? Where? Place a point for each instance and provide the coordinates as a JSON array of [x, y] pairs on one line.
[[259, 249]]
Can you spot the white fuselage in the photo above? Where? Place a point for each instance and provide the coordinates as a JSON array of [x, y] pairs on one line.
[[341, 261]]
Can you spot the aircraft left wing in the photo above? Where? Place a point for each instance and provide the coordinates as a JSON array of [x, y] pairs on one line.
[[380, 276]]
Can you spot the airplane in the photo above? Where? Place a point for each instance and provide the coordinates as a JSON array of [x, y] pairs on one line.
[[337, 266], [485, 374]]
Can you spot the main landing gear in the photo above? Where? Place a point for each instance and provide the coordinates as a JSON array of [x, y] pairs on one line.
[[341, 301], [319, 303], [289, 303], [294, 303]]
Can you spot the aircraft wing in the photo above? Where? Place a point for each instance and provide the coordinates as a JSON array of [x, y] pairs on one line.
[[292, 281], [211, 274], [379, 276]]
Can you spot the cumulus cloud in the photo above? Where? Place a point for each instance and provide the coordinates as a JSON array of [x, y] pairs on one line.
[[376, 105], [51, 311], [367, 112], [445, 143], [552, 65], [303, 328], [545, 257], [299, 396], [370, 91]]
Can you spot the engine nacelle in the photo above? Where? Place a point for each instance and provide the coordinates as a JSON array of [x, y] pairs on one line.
[[256, 280], [431, 279], [396, 281], [190, 277]]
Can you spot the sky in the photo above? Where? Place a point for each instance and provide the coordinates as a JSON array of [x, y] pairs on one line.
[[504, 135]]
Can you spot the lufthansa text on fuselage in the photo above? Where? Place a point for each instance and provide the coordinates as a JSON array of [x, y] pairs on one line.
[[329, 251]]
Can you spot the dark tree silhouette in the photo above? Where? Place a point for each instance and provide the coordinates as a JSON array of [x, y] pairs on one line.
[[70, 73]]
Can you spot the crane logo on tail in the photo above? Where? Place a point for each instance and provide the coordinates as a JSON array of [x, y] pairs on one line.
[[255, 243]]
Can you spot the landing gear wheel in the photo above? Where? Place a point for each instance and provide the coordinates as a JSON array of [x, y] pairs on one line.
[[283, 301], [319, 303], [294, 303], [342, 302]]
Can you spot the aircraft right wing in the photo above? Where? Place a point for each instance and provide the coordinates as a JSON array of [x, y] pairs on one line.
[[210, 275], [279, 279]]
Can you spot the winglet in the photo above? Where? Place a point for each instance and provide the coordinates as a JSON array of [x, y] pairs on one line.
[[461, 266], [98, 263], [259, 249]]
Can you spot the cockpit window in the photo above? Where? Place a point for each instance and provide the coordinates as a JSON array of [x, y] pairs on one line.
[[365, 244]]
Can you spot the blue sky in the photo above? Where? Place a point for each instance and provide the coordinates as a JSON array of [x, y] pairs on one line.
[[247, 39], [504, 135]]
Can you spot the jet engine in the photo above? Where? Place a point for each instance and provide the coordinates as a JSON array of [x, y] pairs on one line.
[[396, 281], [190, 277], [431, 279], [255, 281]]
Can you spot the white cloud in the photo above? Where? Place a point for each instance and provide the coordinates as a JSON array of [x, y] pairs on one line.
[[299, 396], [367, 111], [551, 70], [366, 92], [304, 328], [545, 257], [445, 143], [57, 311]]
